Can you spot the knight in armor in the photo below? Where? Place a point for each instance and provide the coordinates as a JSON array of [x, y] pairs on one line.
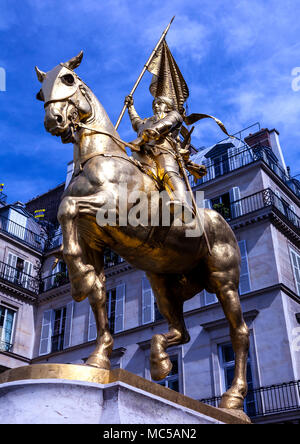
[[157, 137]]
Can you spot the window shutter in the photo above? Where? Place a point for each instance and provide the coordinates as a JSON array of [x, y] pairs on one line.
[[53, 274], [210, 170], [27, 271], [92, 331], [236, 205], [296, 270], [234, 158], [244, 286], [46, 333], [206, 203], [292, 214], [119, 311], [17, 224], [278, 202], [68, 325], [10, 270], [147, 302]]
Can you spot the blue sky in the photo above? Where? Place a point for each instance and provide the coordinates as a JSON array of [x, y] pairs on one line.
[[237, 58]]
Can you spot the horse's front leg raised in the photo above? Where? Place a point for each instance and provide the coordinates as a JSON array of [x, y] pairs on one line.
[[82, 276], [104, 342], [87, 279]]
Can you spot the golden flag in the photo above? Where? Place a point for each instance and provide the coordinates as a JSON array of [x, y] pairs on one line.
[[167, 79]]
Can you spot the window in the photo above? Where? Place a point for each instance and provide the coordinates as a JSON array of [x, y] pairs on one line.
[[172, 380], [227, 365], [59, 324], [245, 285], [17, 224], [150, 312], [56, 329], [115, 306], [18, 271], [209, 298], [7, 321], [296, 269], [221, 164], [222, 205]]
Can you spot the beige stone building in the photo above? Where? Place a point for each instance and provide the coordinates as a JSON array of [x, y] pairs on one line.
[[250, 184]]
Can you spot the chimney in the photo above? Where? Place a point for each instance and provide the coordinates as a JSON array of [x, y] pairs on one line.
[[268, 138], [261, 138]]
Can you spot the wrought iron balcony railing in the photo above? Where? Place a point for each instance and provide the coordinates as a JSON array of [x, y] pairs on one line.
[[54, 280], [268, 400], [3, 198], [22, 234], [5, 346], [19, 278], [257, 201], [246, 156]]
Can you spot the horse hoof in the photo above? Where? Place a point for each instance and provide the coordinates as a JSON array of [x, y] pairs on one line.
[[99, 362], [160, 368], [232, 401]]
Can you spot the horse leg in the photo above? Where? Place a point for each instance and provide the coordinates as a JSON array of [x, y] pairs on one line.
[[97, 298], [170, 305], [104, 341], [239, 333], [82, 276]]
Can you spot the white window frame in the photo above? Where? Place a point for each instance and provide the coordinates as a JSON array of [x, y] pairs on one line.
[[296, 269], [2, 338], [17, 223], [48, 327], [244, 266], [147, 302]]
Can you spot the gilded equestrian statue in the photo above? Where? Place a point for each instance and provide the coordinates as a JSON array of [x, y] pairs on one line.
[[178, 267]]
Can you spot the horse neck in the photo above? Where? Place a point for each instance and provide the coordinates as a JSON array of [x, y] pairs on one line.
[[90, 142]]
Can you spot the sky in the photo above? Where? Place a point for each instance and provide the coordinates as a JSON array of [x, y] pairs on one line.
[[240, 60]]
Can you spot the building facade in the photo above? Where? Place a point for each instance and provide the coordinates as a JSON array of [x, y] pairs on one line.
[[249, 183]]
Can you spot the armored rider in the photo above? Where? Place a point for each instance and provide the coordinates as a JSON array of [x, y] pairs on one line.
[[157, 137]]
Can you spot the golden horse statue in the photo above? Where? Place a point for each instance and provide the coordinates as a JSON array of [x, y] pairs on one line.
[[178, 267]]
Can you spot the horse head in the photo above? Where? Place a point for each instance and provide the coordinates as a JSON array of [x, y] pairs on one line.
[[65, 98]]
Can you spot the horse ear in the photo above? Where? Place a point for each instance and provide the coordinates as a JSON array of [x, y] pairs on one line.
[[40, 74], [75, 61], [40, 95]]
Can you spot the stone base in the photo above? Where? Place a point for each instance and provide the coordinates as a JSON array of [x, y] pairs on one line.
[[78, 394]]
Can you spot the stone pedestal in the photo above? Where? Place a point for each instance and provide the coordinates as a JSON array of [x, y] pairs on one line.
[[77, 394]]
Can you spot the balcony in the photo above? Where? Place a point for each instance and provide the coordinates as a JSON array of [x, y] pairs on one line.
[[18, 278], [246, 156], [5, 346], [268, 400], [22, 234], [257, 201], [3, 198], [54, 281], [111, 259]]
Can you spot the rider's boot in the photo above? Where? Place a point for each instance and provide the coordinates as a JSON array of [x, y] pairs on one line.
[[179, 206]]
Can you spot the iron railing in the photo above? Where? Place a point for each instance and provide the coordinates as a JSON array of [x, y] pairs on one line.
[[257, 201], [3, 198], [19, 278], [54, 280], [5, 346], [21, 233], [111, 259], [246, 156], [268, 400]]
